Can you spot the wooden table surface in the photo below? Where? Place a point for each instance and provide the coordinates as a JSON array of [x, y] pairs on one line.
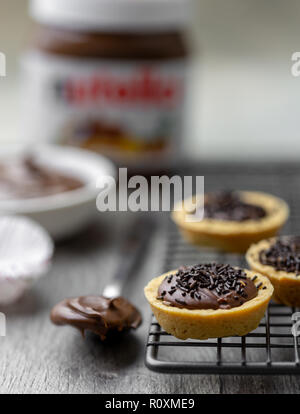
[[38, 357]]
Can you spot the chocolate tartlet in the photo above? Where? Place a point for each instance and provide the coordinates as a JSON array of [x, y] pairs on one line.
[[209, 300], [279, 260], [232, 220]]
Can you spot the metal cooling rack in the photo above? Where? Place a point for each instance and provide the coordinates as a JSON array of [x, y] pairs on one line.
[[271, 348]]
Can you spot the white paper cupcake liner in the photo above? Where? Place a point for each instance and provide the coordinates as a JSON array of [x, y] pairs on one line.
[[26, 251]]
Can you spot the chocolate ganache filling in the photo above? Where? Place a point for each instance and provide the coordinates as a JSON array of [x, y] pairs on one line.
[[207, 286], [97, 314], [25, 178], [284, 254], [229, 206]]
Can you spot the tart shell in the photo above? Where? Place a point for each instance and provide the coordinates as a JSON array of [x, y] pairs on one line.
[[234, 236], [286, 284], [210, 323]]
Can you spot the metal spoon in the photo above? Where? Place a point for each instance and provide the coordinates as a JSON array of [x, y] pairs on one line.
[[109, 312]]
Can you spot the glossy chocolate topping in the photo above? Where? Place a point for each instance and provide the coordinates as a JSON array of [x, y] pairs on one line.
[[207, 286], [24, 178], [284, 254], [97, 314], [229, 206]]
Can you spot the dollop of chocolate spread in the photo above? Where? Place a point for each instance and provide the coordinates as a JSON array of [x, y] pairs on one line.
[[229, 206], [24, 178], [284, 254], [97, 314], [207, 286]]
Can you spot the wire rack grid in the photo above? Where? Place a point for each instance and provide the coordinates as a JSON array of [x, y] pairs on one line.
[[271, 348]]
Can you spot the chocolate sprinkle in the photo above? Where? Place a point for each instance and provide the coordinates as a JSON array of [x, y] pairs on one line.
[[208, 286], [229, 206], [284, 254]]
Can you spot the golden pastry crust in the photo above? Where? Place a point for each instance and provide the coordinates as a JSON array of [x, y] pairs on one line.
[[209, 323], [286, 285], [234, 236]]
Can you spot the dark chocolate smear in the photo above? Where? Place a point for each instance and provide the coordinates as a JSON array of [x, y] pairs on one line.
[[207, 286], [97, 314], [25, 178], [229, 206], [283, 254]]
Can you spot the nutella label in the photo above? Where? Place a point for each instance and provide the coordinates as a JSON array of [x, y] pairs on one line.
[[130, 111]]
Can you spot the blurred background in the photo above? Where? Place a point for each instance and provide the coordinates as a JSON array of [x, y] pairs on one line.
[[244, 102]]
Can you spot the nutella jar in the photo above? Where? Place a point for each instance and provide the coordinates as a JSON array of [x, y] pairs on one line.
[[109, 76]]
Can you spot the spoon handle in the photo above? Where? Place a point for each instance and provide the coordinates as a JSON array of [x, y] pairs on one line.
[[131, 253]]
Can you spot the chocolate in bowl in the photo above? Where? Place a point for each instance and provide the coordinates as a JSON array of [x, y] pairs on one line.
[[26, 178], [67, 213]]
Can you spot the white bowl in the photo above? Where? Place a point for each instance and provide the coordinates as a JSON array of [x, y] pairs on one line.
[[64, 214]]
